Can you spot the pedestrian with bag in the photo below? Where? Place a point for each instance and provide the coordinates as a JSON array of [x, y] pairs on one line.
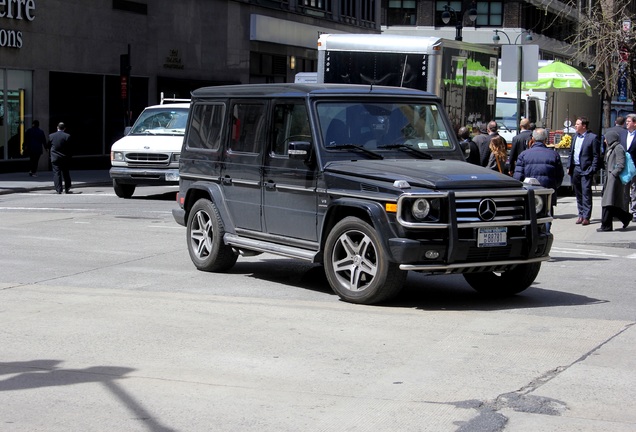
[[630, 147], [614, 198]]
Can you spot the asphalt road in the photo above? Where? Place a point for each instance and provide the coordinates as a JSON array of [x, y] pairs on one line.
[[106, 325]]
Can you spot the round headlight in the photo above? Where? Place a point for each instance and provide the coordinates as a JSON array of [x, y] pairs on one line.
[[538, 204], [421, 208]]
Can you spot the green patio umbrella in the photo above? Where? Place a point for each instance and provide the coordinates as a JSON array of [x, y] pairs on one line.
[[559, 77]]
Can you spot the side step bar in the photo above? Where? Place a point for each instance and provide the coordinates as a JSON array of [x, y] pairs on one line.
[[261, 246]]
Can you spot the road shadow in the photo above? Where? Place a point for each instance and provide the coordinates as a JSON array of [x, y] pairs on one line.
[[426, 292], [34, 374], [165, 196]]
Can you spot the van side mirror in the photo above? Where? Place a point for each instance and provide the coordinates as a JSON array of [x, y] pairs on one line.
[[127, 129], [299, 150]]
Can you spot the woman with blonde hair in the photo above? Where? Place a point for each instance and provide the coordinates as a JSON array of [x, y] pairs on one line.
[[498, 154]]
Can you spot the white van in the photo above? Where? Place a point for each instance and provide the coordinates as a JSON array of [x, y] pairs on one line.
[[149, 152]]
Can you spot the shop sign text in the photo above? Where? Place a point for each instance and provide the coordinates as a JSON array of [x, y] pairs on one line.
[[14, 10]]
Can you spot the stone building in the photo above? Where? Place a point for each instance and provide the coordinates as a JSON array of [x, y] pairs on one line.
[[66, 60]]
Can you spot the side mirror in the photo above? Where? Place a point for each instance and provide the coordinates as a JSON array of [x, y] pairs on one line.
[[299, 150], [127, 129]]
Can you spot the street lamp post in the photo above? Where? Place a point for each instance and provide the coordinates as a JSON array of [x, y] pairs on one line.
[[496, 38], [459, 17]]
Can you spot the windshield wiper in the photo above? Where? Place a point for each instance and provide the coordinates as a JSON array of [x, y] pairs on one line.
[[424, 154], [354, 147]]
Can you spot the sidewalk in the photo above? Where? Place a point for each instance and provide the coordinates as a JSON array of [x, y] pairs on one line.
[[22, 182], [563, 227]]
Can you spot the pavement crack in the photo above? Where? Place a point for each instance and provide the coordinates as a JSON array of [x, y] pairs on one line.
[[489, 419]]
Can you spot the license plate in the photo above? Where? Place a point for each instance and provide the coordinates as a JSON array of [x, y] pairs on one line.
[[489, 237]]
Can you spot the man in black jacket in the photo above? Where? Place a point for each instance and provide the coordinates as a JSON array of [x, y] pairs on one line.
[[471, 151], [520, 143], [59, 143]]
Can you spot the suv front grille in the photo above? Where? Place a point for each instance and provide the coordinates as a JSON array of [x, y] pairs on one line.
[[148, 159], [509, 208]]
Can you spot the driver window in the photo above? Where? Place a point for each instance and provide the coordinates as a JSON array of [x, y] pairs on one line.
[[291, 123]]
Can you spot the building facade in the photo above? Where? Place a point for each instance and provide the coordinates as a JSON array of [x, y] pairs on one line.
[[550, 29], [96, 64]]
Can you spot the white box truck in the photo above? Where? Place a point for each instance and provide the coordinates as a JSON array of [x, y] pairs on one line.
[[464, 75]]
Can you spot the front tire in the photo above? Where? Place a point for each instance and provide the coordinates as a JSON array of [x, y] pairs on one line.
[[504, 284], [123, 190], [357, 265], [205, 239]]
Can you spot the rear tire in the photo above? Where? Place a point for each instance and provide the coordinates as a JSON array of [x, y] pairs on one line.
[[504, 284], [357, 265], [123, 190], [205, 239]]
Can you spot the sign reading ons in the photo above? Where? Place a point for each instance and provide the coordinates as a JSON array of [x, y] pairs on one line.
[[15, 10]]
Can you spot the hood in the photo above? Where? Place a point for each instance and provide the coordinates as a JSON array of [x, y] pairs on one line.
[[431, 174], [149, 143]]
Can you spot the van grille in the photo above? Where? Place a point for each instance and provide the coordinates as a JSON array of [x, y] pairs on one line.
[[148, 159]]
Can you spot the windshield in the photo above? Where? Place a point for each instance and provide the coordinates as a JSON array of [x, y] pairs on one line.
[[382, 127], [161, 121], [506, 113]]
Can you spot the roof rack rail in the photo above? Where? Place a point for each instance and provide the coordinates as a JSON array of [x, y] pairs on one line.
[[165, 100]]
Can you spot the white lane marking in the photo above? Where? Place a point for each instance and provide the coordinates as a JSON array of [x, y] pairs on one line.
[[586, 252], [44, 208]]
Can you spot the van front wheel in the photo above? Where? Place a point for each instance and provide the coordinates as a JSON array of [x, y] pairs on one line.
[[123, 190]]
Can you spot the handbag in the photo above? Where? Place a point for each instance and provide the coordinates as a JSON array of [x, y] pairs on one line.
[[629, 171]]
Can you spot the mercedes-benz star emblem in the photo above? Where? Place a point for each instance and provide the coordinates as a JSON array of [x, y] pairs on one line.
[[487, 209]]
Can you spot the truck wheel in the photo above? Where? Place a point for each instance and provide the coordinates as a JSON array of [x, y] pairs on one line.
[[123, 190], [357, 266], [205, 239], [506, 283]]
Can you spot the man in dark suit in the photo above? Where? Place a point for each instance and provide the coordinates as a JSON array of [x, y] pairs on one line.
[[520, 143], [61, 158], [582, 165], [630, 146]]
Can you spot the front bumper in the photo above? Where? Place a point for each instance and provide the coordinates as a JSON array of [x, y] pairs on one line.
[[179, 216], [145, 176], [458, 251]]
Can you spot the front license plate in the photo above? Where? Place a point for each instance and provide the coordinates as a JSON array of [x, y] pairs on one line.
[[172, 176], [489, 237]]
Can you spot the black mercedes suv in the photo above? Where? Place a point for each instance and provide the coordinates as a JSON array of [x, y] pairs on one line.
[[369, 181]]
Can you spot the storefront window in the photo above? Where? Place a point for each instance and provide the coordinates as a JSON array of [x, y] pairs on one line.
[[16, 89]]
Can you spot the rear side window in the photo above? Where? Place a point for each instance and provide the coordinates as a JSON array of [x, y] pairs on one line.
[[248, 127], [206, 126]]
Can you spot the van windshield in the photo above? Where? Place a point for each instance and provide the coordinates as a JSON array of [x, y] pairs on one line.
[[161, 121], [382, 127]]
